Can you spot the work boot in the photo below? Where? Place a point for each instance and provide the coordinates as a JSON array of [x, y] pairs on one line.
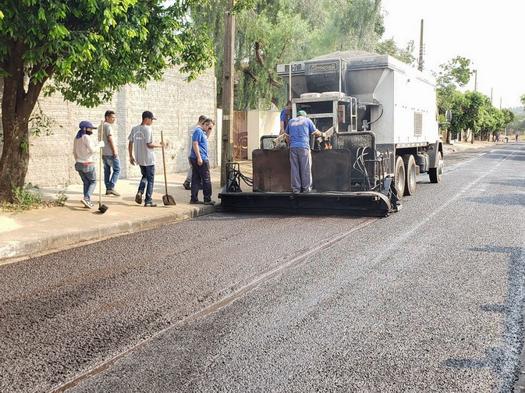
[[112, 192], [195, 202], [209, 202]]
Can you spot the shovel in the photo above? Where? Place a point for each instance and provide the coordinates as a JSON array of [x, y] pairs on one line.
[[166, 199], [101, 207]]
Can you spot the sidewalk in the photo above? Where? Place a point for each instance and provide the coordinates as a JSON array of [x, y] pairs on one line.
[[463, 146], [39, 231]]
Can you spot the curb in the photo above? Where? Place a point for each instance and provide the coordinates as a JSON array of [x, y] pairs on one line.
[[16, 251]]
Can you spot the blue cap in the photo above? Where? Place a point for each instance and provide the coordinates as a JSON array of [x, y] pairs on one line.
[[301, 113], [86, 124]]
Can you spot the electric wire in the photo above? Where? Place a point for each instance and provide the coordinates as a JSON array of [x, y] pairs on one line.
[[380, 115], [234, 179]]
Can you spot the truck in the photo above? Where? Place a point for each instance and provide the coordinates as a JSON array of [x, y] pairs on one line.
[[378, 118]]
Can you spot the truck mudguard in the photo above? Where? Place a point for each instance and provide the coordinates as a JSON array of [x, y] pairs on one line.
[[432, 153]]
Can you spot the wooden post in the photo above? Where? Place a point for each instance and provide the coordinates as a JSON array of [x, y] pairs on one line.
[[227, 90]]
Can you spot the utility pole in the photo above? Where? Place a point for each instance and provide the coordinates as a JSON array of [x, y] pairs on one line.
[[491, 91], [475, 80], [421, 49], [500, 102], [227, 90]]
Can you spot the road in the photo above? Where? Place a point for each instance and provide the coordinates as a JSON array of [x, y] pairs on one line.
[[428, 299]]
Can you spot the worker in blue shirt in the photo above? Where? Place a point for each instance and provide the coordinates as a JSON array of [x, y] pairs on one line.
[[285, 116], [200, 164], [299, 130]]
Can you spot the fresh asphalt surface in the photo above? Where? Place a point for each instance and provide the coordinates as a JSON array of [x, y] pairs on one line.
[[428, 299]]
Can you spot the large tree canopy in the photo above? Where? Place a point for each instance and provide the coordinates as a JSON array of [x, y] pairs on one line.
[[282, 31], [87, 49]]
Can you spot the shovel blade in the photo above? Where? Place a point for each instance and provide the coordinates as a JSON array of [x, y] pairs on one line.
[[102, 208], [168, 200]]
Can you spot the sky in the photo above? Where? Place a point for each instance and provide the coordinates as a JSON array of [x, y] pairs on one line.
[[491, 34]]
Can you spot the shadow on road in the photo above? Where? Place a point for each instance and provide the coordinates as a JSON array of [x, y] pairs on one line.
[[517, 199], [513, 182], [503, 154], [504, 361]]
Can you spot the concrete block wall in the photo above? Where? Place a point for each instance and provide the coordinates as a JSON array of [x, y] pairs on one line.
[[176, 103]]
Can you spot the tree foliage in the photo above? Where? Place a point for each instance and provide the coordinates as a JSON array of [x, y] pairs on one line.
[[470, 110], [389, 47], [90, 48], [282, 31], [455, 73]]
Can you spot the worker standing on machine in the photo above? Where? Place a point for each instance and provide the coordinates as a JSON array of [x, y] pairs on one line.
[[299, 130], [285, 117]]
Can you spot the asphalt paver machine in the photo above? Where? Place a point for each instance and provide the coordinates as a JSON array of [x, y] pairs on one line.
[[378, 117]]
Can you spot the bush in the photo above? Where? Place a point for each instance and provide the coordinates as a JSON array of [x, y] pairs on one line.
[[61, 199], [25, 198]]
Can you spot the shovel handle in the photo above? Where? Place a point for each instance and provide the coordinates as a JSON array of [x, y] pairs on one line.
[[163, 161]]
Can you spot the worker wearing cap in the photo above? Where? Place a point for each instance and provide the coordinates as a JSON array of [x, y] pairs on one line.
[[299, 130], [140, 149], [84, 150]]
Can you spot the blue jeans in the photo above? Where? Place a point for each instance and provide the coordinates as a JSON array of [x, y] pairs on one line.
[[88, 175], [148, 177], [110, 179]]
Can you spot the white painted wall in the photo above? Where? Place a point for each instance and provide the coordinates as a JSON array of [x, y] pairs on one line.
[[261, 123]]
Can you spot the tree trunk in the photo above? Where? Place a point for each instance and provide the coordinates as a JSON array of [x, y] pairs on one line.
[[17, 106], [15, 155]]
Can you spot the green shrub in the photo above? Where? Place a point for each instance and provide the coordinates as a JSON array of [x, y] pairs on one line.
[[27, 197], [24, 198], [61, 198]]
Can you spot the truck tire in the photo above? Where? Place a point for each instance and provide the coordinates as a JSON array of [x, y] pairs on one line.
[[399, 179], [410, 174], [436, 174]]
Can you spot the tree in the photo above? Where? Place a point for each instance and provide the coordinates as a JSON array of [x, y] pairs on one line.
[[451, 76], [389, 47], [455, 73], [508, 117], [522, 99], [86, 50], [282, 31]]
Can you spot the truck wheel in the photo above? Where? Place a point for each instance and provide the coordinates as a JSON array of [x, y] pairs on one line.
[[399, 177], [436, 174], [410, 174]]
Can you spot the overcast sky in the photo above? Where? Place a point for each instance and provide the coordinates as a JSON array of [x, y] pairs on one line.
[[490, 33]]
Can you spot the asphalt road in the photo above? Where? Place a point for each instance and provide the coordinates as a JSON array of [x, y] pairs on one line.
[[428, 299]]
